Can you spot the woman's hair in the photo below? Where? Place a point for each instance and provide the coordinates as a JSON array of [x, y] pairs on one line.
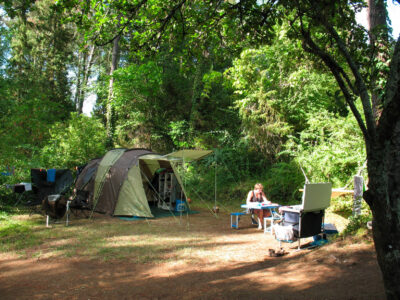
[[258, 186]]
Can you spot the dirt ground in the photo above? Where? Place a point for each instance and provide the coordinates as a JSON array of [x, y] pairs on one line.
[[239, 267]]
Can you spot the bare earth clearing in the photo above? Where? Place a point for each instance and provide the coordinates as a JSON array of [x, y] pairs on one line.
[[218, 263]]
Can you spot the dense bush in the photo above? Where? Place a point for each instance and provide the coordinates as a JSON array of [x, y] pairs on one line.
[[238, 169], [74, 142], [283, 181], [329, 149], [235, 166]]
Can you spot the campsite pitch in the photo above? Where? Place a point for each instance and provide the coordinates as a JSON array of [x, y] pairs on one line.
[[190, 257]]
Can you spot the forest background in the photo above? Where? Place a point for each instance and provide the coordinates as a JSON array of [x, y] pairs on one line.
[[265, 111]]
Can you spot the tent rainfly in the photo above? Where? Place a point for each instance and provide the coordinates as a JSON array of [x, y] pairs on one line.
[[126, 182]]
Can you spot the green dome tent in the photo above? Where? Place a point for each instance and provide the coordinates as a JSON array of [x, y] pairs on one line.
[[124, 182]]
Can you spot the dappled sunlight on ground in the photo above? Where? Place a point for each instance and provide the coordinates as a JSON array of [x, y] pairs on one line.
[[201, 258]]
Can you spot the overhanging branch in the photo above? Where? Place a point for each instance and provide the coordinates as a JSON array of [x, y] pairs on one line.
[[132, 13], [361, 87], [310, 46]]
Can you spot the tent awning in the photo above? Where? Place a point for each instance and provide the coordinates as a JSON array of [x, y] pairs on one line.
[[187, 155]]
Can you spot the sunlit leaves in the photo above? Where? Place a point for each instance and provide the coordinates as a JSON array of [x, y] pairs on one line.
[[277, 90], [71, 143], [329, 149]]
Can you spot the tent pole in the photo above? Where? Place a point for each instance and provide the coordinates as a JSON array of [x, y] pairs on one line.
[[215, 183], [184, 184]]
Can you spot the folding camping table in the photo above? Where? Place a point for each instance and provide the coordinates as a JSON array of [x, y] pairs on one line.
[[271, 207]]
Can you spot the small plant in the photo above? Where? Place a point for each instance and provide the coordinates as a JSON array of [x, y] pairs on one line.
[[357, 225]]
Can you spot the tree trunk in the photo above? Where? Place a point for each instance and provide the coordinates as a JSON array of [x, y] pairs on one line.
[[87, 70], [109, 108], [78, 90], [383, 195], [376, 17], [378, 33]]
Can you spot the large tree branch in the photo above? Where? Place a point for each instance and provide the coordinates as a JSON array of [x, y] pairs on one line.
[[306, 34], [361, 87], [132, 13], [166, 20], [310, 46]]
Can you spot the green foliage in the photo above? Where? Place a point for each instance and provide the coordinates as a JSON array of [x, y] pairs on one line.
[[158, 85], [232, 170], [283, 181], [342, 205], [155, 107], [179, 133], [260, 120], [5, 37], [24, 131], [35, 90], [357, 225], [215, 120], [276, 94], [139, 112], [181, 84], [40, 53], [330, 149], [15, 234], [74, 142], [7, 197]]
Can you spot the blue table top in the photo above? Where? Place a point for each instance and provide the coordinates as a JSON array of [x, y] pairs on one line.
[[257, 205]]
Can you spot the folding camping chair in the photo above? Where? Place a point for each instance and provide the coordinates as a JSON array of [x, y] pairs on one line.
[[79, 203], [49, 185], [305, 220]]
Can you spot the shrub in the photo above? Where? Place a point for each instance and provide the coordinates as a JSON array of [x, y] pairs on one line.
[[74, 142], [358, 224], [283, 181]]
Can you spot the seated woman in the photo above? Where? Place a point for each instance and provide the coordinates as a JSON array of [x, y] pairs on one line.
[[258, 195]]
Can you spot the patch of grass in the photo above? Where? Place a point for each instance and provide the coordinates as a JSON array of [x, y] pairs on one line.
[[343, 206], [16, 234], [357, 225], [108, 239]]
